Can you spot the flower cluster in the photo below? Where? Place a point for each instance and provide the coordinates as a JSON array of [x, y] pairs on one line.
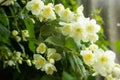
[[14, 58], [78, 27], [25, 35], [102, 62], [50, 37], [74, 25], [46, 65], [43, 12]]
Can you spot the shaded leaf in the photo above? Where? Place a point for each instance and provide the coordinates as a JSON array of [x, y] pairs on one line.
[[70, 44], [4, 31], [55, 40], [47, 30], [3, 18], [30, 27], [67, 76], [72, 63]]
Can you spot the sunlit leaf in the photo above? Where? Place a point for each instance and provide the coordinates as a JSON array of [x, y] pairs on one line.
[[117, 45], [55, 40], [30, 27], [67, 76], [70, 44]]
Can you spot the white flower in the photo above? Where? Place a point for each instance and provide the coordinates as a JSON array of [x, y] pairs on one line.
[[35, 6], [78, 32], [18, 57], [104, 62], [53, 55], [18, 38], [116, 71], [88, 57], [92, 27], [25, 35], [67, 15], [59, 8], [80, 11], [49, 68], [52, 61], [10, 63], [66, 29], [14, 32], [110, 77], [47, 13], [28, 62], [111, 54], [41, 48], [39, 61], [93, 47], [92, 37]]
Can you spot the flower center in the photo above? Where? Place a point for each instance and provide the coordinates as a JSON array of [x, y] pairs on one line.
[[90, 28], [103, 59], [88, 57], [36, 6]]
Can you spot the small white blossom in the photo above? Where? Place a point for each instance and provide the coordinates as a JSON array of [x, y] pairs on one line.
[[59, 8], [52, 61], [41, 48], [78, 32], [80, 11], [47, 13], [66, 29], [88, 57], [14, 32], [25, 35], [93, 47], [67, 15], [116, 71], [104, 62], [39, 61], [10, 63], [53, 55], [28, 62], [18, 38], [35, 6], [92, 37], [92, 27], [49, 68]]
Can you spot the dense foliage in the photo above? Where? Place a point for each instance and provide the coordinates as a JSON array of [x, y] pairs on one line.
[[46, 40]]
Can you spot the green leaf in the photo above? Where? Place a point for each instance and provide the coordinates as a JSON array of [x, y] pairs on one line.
[[22, 47], [72, 62], [47, 30], [32, 45], [3, 17], [67, 76], [80, 67], [117, 45], [55, 40], [4, 31], [70, 44], [30, 27]]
